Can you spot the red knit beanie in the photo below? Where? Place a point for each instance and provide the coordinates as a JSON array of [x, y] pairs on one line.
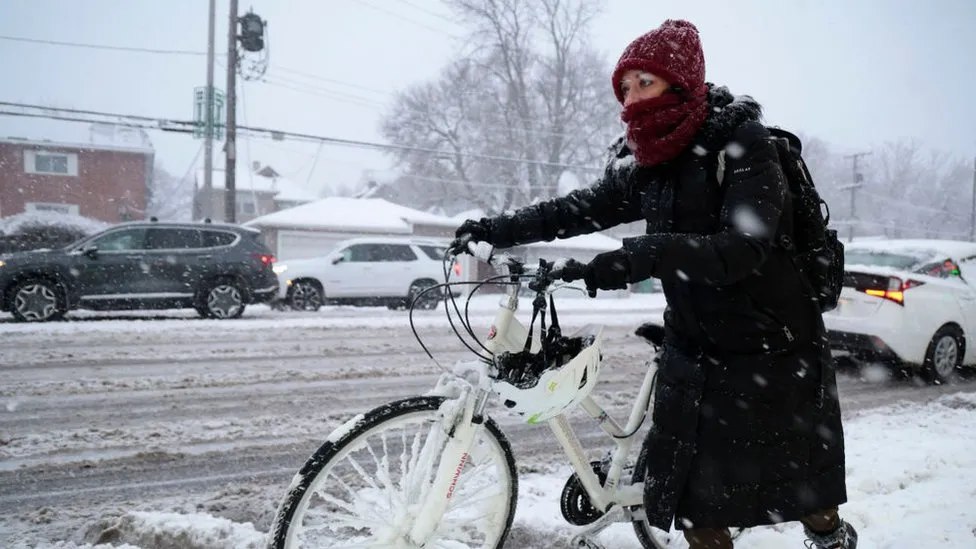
[[672, 51]]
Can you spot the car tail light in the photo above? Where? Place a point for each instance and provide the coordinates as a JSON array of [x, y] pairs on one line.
[[895, 290], [265, 259]]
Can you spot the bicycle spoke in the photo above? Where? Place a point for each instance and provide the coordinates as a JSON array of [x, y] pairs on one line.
[[403, 461], [362, 472], [357, 523], [354, 496], [470, 502], [377, 545], [426, 464], [383, 471]]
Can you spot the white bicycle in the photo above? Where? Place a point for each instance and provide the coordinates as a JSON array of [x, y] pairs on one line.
[[435, 471]]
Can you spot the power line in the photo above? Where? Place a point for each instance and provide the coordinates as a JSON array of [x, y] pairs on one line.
[[277, 135], [427, 11], [330, 80], [94, 121], [100, 46], [309, 89], [187, 126], [407, 19], [96, 113]]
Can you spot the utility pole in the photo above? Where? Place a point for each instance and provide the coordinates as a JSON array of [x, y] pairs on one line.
[[857, 181], [207, 205], [230, 145]]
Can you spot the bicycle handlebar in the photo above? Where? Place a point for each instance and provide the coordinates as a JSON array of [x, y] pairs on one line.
[[566, 270]]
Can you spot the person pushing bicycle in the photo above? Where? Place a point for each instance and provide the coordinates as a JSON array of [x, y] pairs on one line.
[[746, 427]]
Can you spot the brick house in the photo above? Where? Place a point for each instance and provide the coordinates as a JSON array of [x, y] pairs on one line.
[[105, 182]]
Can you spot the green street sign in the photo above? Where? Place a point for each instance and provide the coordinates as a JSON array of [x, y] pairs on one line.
[[200, 113]]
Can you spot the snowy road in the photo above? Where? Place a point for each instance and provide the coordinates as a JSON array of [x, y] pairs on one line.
[[105, 415]]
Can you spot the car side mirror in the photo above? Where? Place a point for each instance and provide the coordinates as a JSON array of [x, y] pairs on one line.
[[338, 259], [91, 252]]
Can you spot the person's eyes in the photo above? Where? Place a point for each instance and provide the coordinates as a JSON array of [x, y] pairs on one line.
[[646, 82]]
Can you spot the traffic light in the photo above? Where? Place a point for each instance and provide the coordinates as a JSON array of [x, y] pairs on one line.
[[252, 32]]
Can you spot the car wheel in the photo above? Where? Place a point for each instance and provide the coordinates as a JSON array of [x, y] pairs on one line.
[[222, 299], [426, 301], [36, 300], [305, 296], [944, 355]]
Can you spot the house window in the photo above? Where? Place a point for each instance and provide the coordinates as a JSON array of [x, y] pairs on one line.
[[245, 204], [71, 209], [50, 163]]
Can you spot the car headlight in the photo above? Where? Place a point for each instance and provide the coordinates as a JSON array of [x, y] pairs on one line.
[[278, 269], [2, 263]]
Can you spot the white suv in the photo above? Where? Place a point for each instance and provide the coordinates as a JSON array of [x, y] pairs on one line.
[[366, 271]]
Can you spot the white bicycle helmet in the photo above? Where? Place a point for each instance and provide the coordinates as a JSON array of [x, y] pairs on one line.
[[538, 386]]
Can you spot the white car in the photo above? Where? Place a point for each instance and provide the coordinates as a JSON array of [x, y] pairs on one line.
[[910, 303], [366, 271]]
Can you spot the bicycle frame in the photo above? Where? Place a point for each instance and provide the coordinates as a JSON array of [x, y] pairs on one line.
[[510, 334], [507, 333]]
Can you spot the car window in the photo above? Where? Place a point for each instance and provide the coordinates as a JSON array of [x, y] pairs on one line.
[[395, 252], [434, 252], [895, 260], [122, 240], [173, 239], [358, 253], [940, 269], [212, 239]]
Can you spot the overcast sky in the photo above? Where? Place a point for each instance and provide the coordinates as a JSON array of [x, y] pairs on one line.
[[855, 73]]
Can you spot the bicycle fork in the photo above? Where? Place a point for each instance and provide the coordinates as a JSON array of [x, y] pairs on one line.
[[460, 430]]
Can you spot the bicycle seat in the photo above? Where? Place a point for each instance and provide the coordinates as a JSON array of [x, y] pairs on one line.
[[652, 333]]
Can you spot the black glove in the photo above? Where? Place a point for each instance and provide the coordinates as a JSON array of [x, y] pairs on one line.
[[608, 271], [470, 230]]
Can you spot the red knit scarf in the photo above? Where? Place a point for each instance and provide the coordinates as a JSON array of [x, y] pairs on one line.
[[658, 129]]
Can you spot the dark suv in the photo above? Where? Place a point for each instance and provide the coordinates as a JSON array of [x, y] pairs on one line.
[[214, 268]]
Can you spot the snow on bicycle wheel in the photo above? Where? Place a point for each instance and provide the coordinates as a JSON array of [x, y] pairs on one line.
[[366, 488]]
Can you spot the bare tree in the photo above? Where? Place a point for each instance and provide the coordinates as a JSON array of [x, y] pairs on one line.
[[530, 98], [170, 198]]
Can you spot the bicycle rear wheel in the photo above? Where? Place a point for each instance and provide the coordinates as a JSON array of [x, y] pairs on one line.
[[363, 489], [650, 537], [655, 538]]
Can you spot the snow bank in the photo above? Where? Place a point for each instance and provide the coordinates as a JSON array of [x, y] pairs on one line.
[[179, 531]]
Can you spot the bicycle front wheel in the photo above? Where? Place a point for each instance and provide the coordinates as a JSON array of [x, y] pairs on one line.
[[364, 489]]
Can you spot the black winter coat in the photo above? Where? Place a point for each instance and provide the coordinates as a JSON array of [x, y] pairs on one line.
[[746, 423]]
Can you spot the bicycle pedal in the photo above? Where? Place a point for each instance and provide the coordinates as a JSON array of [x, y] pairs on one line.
[[586, 542]]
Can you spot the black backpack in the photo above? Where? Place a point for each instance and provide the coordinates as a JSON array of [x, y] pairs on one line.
[[818, 253], [816, 250]]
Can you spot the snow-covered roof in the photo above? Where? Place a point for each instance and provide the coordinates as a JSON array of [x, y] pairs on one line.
[[284, 189], [12, 224], [365, 214], [947, 248], [592, 241], [125, 148]]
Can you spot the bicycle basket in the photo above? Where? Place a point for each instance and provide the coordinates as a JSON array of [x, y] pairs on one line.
[[538, 386]]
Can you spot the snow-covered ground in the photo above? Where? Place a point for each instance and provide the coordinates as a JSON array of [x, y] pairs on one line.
[[176, 432], [911, 478]]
